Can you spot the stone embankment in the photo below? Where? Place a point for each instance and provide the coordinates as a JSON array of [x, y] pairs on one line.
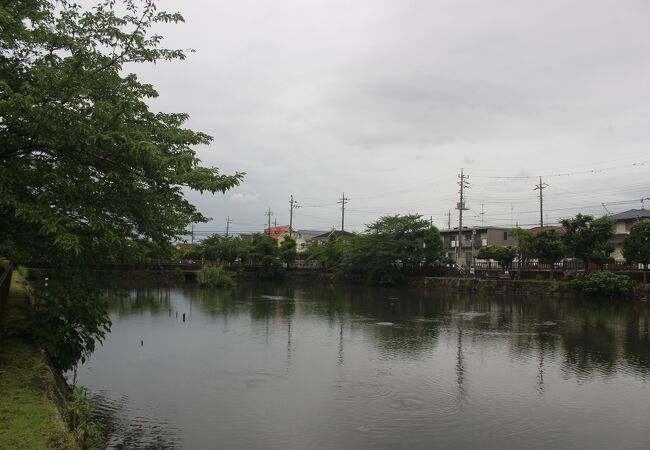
[[527, 287]]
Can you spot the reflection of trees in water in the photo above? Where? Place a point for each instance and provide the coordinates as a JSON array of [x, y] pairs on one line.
[[155, 300], [590, 345], [590, 337], [637, 340]]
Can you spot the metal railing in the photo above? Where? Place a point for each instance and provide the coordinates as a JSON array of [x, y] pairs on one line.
[[5, 287]]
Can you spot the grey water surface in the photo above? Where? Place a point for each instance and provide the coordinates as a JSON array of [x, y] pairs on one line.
[[265, 366]]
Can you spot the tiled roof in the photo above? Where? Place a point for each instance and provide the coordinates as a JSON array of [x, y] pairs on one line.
[[277, 232], [308, 235], [632, 214], [185, 246], [557, 228]]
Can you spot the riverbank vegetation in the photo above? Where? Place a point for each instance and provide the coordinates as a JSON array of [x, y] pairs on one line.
[[89, 173], [214, 276], [605, 284]]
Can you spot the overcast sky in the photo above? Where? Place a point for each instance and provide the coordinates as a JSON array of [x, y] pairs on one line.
[[388, 100]]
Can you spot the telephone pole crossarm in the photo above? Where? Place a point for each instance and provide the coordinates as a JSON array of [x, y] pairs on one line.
[[268, 213], [293, 204], [463, 184], [343, 201], [540, 187]]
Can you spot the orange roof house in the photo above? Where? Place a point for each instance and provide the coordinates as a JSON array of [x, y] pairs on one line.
[[277, 232]]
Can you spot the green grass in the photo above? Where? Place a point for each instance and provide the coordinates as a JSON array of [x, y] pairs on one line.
[[29, 418]]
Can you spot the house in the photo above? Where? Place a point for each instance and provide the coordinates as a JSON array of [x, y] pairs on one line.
[[623, 226], [557, 228], [279, 233], [473, 238], [306, 238], [324, 236]]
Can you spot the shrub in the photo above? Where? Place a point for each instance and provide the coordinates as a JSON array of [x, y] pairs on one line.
[[554, 287], [215, 277], [604, 284], [88, 432]]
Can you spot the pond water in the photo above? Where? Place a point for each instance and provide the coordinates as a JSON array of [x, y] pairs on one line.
[[264, 366]]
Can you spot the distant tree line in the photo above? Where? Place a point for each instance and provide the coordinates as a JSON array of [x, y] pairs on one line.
[[396, 246]]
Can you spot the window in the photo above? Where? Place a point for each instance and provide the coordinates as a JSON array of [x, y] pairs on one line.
[[505, 235]]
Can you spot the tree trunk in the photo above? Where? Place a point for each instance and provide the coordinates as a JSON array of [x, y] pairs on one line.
[[645, 273]]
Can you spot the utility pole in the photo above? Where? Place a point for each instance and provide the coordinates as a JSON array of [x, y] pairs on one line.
[[268, 214], [463, 184], [343, 200], [228, 222], [192, 234], [449, 219], [541, 186], [294, 204], [482, 215], [275, 222]]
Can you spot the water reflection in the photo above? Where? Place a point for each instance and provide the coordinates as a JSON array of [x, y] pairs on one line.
[[298, 366]]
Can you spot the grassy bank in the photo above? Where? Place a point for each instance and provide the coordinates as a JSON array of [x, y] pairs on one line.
[[29, 391]]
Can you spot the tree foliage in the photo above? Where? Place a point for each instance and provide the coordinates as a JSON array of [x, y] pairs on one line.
[[86, 169], [548, 248], [589, 239], [390, 248], [636, 246], [287, 250], [330, 253], [265, 251], [504, 255], [70, 316], [604, 284], [434, 252], [524, 242]]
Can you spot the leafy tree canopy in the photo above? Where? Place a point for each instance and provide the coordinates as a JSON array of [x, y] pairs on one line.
[[547, 247], [434, 251], [389, 247], [636, 246], [86, 168], [288, 251], [503, 254], [330, 253], [589, 239], [524, 242]]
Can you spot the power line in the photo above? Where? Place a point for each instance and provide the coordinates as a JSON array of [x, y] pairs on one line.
[[566, 174], [463, 184], [343, 201], [293, 204], [269, 213], [541, 186]]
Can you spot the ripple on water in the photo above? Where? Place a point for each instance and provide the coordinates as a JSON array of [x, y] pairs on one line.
[[470, 315], [127, 427], [275, 297]]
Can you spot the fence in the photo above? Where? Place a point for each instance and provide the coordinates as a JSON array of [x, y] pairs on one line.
[[560, 266], [5, 286]]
